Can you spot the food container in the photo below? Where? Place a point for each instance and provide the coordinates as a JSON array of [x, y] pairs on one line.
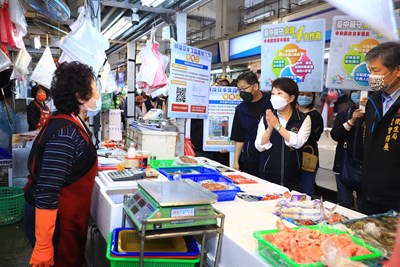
[[187, 172], [378, 230], [223, 195], [148, 262], [276, 257], [125, 245]]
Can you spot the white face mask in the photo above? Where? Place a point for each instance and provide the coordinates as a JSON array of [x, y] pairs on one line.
[[91, 112], [278, 102]]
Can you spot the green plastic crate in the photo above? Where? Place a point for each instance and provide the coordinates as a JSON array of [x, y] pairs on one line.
[[12, 204], [168, 163], [277, 257], [156, 262]]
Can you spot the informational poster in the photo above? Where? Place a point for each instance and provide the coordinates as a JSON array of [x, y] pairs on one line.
[[218, 126], [189, 81], [294, 50], [350, 42]]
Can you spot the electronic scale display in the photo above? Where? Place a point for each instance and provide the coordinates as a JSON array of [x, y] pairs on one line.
[[170, 199]]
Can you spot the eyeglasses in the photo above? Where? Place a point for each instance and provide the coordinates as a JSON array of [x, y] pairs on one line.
[[244, 89]]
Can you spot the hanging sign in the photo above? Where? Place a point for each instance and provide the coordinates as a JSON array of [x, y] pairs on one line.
[[221, 110], [350, 42], [294, 50], [189, 81]]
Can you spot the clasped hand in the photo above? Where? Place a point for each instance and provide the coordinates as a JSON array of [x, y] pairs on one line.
[[272, 120]]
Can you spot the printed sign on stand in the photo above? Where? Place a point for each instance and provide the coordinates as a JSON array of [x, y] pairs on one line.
[[294, 50], [189, 81], [350, 42], [218, 126]]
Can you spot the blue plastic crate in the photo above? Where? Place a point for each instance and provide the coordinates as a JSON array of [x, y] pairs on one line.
[[223, 195], [187, 172], [192, 252]]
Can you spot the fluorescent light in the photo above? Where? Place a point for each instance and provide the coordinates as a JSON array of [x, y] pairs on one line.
[[261, 16], [118, 28], [151, 2], [303, 2]]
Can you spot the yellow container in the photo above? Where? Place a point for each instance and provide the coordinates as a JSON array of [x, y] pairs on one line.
[[129, 241]]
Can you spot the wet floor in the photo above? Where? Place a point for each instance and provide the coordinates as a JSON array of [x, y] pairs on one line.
[[14, 249]]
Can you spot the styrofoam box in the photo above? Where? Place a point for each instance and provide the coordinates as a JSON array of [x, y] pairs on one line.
[[107, 210]]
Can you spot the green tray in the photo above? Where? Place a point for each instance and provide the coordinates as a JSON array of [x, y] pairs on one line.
[[168, 163], [277, 257], [148, 262]]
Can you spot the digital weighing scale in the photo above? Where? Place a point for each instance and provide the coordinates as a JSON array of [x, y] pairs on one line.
[[182, 200]]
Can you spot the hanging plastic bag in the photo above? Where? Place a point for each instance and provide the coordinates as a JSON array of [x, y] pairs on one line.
[[17, 17], [21, 64], [106, 101], [84, 43], [108, 83], [152, 75], [44, 71], [5, 62]]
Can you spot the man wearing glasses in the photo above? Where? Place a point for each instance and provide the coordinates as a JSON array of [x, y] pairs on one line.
[[245, 122]]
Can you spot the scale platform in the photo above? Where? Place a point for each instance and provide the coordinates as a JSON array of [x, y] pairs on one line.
[[180, 203]]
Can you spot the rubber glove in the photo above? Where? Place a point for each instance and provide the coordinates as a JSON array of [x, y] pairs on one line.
[[43, 252]]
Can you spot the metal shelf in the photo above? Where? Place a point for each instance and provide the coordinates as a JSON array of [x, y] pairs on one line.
[[182, 231]]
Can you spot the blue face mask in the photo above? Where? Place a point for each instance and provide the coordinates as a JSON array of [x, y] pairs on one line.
[[91, 112], [304, 100], [355, 97]]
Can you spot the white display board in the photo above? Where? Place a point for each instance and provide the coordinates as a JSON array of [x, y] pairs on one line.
[[294, 50], [218, 126], [189, 81], [350, 41]]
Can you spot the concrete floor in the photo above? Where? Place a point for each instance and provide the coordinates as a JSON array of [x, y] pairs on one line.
[[14, 249]]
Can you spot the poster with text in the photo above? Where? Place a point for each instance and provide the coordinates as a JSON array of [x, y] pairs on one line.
[[218, 126], [293, 50], [350, 42], [189, 81]]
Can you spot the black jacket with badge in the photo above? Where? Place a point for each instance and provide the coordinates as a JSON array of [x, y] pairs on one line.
[[381, 169], [282, 164]]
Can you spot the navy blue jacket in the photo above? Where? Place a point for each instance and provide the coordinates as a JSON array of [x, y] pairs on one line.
[[249, 122], [282, 164]]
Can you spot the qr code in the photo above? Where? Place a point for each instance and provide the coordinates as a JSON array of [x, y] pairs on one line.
[[180, 94]]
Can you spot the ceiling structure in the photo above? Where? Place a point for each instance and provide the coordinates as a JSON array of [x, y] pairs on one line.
[[201, 19]]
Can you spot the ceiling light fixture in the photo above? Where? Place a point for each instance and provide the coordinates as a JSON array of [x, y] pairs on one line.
[[153, 3], [118, 28]]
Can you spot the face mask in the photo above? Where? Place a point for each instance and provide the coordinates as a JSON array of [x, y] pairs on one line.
[[278, 102], [377, 82], [41, 97], [246, 96], [355, 97], [304, 100], [91, 112]]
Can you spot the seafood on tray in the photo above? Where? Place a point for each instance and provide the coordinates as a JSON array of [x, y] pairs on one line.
[[304, 245], [377, 230]]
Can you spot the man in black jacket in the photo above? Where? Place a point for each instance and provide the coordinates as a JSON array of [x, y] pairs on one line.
[[381, 169]]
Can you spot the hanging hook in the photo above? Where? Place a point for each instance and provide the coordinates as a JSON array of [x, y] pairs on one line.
[[47, 39]]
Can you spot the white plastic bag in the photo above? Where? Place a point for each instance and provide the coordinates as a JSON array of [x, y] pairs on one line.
[[17, 16], [44, 71], [108, 84], [5, 62], [21, 64], [84, 43]]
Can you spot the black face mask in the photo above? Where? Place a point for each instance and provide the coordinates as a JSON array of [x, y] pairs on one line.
[[246, 96]]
